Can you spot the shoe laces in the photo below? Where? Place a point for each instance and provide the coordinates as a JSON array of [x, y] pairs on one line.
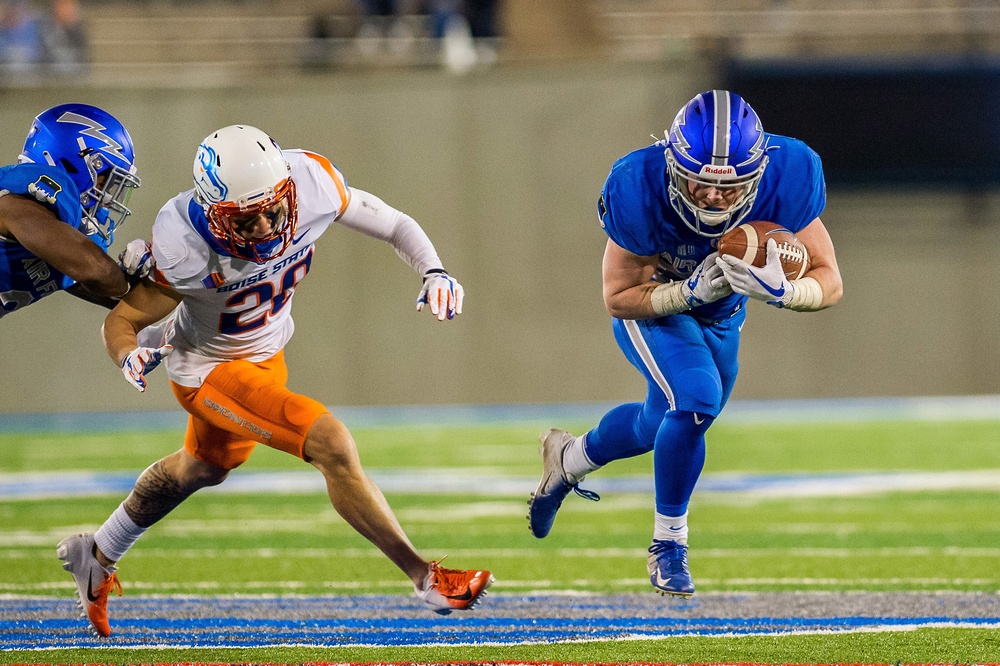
[[673, 553], [448, 581], [111, 584], [575, 485], [586, 494]]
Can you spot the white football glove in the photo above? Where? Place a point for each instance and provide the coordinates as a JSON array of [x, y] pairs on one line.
[[767, 284], [136, 260], [141, 360], [442, 293], [707, 284]]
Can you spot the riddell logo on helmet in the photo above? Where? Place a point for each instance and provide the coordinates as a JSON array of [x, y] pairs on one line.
[[712, 170]]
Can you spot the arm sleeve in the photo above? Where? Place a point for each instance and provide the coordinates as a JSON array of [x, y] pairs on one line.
[[373, 217]]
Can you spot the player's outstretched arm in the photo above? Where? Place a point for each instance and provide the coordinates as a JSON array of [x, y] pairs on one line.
[[136, 261], [143, 306], [62, 247], [373, 217]]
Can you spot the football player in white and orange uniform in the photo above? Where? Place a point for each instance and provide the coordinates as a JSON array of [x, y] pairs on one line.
[[229, 255]]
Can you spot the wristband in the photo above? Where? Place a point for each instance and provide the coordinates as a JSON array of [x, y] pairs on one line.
[[807, 295], [668, 299]]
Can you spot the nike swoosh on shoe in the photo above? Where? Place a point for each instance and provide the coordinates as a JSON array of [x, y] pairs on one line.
[[660, 581], [90, 590]]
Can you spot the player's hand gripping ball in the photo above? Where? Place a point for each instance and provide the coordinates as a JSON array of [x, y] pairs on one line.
[[748, 242]]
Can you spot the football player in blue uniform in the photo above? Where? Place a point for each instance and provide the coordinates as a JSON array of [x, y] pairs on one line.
[[60, 206], [678, 307]]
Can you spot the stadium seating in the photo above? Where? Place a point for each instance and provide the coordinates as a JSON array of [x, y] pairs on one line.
[[219, 38]]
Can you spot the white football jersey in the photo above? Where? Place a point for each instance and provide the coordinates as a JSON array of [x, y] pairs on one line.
[[238, 309], [233, 308]]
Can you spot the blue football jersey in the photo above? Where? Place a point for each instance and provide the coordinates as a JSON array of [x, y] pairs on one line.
[[24, 278], [635, 210]]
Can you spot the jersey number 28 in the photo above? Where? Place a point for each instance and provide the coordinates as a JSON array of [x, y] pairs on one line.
[[261, 293]]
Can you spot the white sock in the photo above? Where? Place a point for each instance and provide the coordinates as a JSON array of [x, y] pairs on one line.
[[117, 534], [576, 464], [671, 528]]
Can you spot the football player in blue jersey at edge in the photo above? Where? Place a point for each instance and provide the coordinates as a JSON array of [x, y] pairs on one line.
[[678, 307], [60, 206]]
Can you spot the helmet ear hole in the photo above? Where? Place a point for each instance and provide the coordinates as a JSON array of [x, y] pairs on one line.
[[68, 166]]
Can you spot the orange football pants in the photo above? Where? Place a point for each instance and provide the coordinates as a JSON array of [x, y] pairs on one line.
[[241, 404]]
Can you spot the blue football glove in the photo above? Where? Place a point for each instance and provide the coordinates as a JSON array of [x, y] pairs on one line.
[[442, 293], [141, 360], [767, 283], [707, 284], [136, 260]]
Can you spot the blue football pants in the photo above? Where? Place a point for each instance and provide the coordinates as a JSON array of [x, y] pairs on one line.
[[690, 369]]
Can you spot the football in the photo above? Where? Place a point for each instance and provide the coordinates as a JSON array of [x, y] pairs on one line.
[[748, 242]]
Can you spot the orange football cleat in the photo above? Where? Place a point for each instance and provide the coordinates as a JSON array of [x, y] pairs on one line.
[[93, 581], [446, 590]]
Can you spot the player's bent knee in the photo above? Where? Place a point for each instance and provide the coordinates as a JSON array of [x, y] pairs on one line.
[[195, 474], [329, 444], [212, 477], [701, 391]]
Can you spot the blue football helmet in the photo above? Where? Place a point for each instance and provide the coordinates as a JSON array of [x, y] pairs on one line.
[[716, 153], [96, 151]]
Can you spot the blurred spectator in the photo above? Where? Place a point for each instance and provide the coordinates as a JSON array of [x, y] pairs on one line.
[[22, 47], [317, 54], [480, 15], [467, 30], [464, 31], [393, 26], [65, 37]]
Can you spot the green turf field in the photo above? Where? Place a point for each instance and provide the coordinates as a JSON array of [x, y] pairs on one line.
[[896, 541]]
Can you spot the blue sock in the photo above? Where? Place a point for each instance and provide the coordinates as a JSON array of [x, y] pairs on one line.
[[678, 458], [623, 432]]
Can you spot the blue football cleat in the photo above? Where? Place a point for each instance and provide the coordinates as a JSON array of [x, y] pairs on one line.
[[668, 568], [555, 484]]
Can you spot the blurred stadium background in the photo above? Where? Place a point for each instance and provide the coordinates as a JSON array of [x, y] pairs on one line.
[[499, 145]]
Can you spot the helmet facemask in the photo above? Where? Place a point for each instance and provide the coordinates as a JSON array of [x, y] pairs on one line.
[[735, 195], [105, 204], [716, 153], [232, 223]]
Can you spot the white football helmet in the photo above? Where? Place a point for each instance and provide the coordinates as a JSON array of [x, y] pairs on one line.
[[243, 182]]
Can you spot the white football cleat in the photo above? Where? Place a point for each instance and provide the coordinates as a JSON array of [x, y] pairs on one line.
[[93, 581]]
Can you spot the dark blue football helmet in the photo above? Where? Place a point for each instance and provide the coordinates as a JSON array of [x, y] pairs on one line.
[[96, 151], [716, 153]]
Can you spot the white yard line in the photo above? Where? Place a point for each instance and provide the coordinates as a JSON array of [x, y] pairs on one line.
[[43, 485], [541, 586], [45, 540], [821, 410]]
